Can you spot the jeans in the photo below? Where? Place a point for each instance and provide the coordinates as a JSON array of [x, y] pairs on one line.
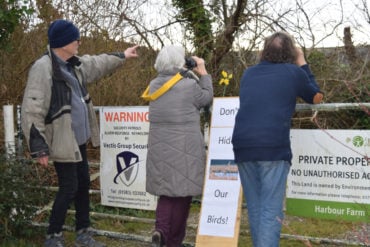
[[171, 216], [264, 186], [74, 184]]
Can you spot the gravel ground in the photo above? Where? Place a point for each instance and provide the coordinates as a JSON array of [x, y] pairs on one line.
[[361, 234]]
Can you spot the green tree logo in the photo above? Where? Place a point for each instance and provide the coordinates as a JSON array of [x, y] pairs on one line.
[[358, 141]]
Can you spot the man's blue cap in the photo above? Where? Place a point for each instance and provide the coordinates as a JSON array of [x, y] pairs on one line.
[[61, 33]]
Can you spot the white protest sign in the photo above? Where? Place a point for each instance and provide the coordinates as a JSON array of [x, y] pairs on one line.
[[222, 185]]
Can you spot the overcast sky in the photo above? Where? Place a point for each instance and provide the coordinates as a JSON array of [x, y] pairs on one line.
[[323, 16], [323, 11]]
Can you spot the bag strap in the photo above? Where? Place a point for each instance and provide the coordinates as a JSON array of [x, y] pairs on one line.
[[162, 90]]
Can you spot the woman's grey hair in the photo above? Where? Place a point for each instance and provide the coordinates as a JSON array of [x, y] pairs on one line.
[[279, 48], [170, 59]]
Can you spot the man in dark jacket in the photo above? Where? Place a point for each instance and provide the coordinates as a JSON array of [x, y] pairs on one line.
[[261, 135], [58, 120]]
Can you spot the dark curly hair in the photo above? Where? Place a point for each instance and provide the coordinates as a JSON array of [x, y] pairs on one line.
[[279, 48]]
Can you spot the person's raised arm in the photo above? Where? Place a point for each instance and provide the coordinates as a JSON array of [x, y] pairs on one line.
[[301, 61]]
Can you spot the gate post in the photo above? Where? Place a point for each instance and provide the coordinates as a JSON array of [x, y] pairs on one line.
[[9, 130]]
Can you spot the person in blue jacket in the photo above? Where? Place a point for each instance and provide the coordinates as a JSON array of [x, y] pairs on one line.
[[261, 135]]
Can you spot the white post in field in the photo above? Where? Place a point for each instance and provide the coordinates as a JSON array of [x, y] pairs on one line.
[[9, 130]]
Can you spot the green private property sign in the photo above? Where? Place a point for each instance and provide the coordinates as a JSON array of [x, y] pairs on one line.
[[330, 174]]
